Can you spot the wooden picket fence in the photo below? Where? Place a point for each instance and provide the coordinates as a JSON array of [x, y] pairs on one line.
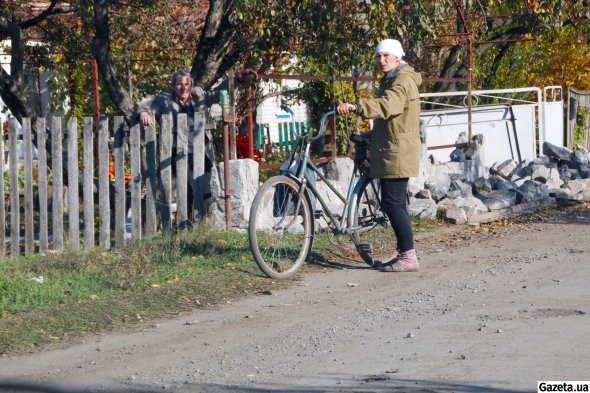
[[86, 207]]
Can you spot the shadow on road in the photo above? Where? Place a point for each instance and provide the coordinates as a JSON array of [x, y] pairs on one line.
[[372, 384]]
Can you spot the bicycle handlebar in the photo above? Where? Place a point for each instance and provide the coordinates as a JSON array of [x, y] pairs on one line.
[[322, 122], [323, 125]]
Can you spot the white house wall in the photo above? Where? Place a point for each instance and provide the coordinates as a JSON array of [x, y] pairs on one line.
[[270, 114]]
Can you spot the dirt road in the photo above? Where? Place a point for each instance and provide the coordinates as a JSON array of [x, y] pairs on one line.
[[491, 311]]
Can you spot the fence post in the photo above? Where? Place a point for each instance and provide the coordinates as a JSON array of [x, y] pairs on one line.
[[166, 172], [104, 209], [88, 182], [74, 205], [198, 179], [181, 171], [42, 186], [29, 224], [14, 190], [2, 204], [120, 194], [151, 187], [57, 207], [135, 184]]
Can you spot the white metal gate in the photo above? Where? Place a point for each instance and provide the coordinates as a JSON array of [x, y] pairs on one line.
[[514, 122]]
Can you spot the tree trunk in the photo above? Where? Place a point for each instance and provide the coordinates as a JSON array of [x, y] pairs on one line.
[[215, 54], [108, 70], [11, 86]]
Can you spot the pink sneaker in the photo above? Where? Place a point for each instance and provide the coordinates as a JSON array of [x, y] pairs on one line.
[[407, 261]]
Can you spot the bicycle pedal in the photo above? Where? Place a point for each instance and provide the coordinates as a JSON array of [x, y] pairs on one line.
[[318, 213], [366, 248]]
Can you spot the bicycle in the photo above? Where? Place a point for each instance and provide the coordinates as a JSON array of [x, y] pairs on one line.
[[282, 227]]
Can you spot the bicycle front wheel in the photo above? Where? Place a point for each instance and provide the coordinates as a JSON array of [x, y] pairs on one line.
[[371, 232], [280, 228]]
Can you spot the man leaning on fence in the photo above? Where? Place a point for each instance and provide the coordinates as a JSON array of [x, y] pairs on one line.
[[183, 97]]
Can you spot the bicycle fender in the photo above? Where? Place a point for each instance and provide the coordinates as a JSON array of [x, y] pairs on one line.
[[358, 187], [307, 196]]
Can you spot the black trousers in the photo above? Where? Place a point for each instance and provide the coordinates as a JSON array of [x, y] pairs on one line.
[[394, 204]]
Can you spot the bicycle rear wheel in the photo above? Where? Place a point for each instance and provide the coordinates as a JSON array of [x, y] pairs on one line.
[[371, 233], [280, 228]]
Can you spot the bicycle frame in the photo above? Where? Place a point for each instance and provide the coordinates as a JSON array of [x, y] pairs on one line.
[[282, 219], [340, 226]]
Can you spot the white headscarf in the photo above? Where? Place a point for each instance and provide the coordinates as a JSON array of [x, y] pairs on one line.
[[391, 46]]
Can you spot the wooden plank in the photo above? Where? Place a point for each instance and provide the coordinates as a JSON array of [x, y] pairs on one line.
[[42, 185], [165, 202], [14, 189], [88, 183], [198, 180], [29, 197], [511, 211], [104, 206], [73, 175], [135, 184], [181, 161], [57, 207], [151, 186], [119, 155], [2, 204], [564, 198]]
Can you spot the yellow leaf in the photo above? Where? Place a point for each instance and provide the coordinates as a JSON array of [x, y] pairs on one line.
[[156, 286], [170, 280]]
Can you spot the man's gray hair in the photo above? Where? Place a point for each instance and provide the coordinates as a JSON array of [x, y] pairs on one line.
[[181, 72]]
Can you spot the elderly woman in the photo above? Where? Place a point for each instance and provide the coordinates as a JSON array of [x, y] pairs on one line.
[[395, 144]]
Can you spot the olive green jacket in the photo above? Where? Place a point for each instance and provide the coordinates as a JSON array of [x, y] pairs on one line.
[[395, 139]]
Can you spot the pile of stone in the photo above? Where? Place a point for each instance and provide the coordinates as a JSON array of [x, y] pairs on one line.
[[462, 190], [457, 189]]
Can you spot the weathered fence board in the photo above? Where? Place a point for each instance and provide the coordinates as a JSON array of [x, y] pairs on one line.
[[166, 173], [119, 154], [14, 193], [198, 180], [181, 159], [57, 206], [2, 205], [122, 169], [88, 183], [151, 187], [135, 183], [104, 206], [42, 186], [28, 195], [73, 175]]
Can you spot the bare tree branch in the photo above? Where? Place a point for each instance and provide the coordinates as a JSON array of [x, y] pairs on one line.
[[39, 18]]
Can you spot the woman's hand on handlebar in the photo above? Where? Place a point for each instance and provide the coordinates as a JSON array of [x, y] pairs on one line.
[[344, 108]]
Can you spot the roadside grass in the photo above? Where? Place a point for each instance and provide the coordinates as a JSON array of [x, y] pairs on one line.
[[58, 298]]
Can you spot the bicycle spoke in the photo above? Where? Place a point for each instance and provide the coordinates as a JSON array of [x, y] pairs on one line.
[[280, 227], [371, 232]]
